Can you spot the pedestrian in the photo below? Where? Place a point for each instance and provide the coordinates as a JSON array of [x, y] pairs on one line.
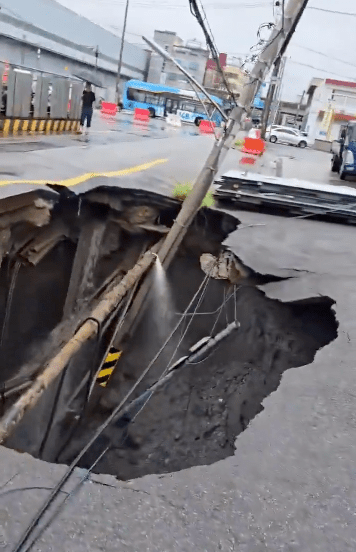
[[88, 99]]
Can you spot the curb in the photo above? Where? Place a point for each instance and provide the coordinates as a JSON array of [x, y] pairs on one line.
[[15, 127]]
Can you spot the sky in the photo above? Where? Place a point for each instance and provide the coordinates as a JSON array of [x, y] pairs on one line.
[[324, 44]]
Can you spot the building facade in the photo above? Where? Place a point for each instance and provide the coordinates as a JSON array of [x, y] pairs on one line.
[[45, 37], [191, 55], [331, 103], [234, 75]]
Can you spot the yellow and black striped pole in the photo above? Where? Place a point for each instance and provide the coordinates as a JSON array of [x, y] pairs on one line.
[[108, 367]]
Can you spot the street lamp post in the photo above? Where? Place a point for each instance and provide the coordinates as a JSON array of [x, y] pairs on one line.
[[96, 58], [118, 77]]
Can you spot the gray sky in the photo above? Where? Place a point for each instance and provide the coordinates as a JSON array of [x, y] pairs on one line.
[[234, 26]]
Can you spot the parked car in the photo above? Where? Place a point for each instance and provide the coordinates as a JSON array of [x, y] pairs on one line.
[[291, 136]]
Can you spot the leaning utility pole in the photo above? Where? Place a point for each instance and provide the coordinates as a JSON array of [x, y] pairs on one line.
[[279, 90], [276, 47], [270, 96], [118, 76]]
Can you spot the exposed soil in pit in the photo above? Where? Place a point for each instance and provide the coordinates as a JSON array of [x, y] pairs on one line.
[[196, 418]]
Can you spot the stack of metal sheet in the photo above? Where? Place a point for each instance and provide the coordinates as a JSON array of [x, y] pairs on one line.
[[289, 195]]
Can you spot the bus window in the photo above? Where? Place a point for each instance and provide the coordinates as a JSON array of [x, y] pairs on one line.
[[135, 95], [152, 99], [185, 106]]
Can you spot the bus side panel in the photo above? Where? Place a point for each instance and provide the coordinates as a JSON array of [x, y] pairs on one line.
[[131, 105], [187, 116]]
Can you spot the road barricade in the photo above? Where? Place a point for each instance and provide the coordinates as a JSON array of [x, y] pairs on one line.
[[253, 146], [141, 114], [207, 127], [108, 108]]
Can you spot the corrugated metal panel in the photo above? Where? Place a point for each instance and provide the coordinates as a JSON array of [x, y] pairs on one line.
[[41, 96], [59, 99], [18, 94]]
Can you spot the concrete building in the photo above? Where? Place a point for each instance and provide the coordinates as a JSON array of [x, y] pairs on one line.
[[235, 76], [44, 36], [290, 114], [331, 103], [192, 56]]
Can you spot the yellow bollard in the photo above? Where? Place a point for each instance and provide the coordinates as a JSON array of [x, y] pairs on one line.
[[25, 126], [33, 126], [41, 127], [6, 127], [15, 128], [48, 127], [61, 126], [55, 126]]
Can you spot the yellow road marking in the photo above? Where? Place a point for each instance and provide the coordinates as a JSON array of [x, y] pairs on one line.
[[68, 182]]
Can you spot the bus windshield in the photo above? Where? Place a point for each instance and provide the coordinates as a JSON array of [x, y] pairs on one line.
[[161, 100]]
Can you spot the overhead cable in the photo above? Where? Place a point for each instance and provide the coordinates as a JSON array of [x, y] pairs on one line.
[[41, 512]]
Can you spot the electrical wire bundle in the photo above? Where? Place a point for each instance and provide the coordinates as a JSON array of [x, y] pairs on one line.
[[203, 22], [123, 416]]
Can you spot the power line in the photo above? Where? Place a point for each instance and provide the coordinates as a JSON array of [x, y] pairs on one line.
[[323, 70], [195, 11], [184, 6], [332, 11], [117, 410], [325, 55]]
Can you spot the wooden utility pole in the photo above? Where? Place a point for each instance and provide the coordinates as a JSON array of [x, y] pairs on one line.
[[277, 45]]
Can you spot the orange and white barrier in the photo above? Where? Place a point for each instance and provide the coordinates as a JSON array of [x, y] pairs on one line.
[[207, 127], [141, 114]]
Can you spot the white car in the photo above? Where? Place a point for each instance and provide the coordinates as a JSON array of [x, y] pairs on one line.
[[290, 136]]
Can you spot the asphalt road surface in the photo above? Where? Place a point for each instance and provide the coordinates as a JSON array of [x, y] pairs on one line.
[[291, 485]]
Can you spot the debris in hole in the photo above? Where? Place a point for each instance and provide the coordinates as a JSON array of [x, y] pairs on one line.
[[82, 253]]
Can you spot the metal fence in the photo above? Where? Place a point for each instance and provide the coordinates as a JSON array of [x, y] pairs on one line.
[[26, 94]]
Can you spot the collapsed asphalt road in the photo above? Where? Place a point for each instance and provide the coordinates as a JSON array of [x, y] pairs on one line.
[[289, 484], [196, 417]]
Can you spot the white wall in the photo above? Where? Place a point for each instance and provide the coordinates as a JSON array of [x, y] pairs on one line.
[[344, 101]]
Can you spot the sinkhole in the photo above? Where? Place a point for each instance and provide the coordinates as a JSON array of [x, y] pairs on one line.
[[197, 416]]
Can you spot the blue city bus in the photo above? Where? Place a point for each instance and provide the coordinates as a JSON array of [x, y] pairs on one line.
[[161, 100]]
